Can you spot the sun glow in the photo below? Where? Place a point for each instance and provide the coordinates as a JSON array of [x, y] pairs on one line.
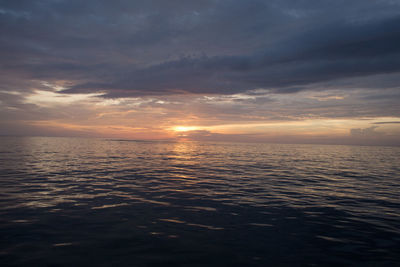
[[184, 128]]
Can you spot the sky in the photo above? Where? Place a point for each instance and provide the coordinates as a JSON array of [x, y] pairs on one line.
[[300, 71]]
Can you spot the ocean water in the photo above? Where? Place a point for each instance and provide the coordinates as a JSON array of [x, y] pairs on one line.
[[97, 202]]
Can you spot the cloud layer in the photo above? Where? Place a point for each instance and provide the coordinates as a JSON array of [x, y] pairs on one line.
[[144, 66], [137, 48]]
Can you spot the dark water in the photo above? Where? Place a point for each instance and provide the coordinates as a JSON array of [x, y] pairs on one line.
[[79, 202]]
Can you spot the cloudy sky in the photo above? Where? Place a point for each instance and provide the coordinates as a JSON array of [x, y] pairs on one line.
[[299, 71]]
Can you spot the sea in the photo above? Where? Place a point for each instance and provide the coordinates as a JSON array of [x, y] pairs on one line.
[[105, 202]]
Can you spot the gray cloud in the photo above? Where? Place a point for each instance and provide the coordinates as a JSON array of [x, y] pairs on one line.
[[138, 48], [387, 122], [366, 132]]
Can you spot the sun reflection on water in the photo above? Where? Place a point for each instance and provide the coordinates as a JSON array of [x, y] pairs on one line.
[[190, 190]]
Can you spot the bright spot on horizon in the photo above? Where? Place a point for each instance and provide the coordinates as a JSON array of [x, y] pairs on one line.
[[184, 128]]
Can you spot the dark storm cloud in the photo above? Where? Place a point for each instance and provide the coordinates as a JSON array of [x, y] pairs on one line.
[[136, 48]]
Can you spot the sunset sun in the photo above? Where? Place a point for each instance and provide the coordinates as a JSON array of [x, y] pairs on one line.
[[185, 128]]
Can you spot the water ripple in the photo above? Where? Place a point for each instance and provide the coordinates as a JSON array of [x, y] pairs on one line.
[[239, 204]]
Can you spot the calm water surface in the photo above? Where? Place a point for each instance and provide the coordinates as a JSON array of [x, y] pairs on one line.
[[79, 202]]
